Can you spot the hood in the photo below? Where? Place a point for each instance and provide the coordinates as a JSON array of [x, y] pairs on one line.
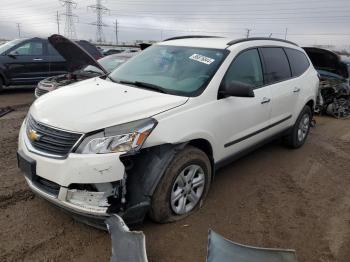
[[326, 60], [76, 57], [96, 103]]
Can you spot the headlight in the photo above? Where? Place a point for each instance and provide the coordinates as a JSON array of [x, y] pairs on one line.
[[122, 138]]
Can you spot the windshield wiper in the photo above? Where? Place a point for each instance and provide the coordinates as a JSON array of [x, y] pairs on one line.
[[144, 85], [110, 78]]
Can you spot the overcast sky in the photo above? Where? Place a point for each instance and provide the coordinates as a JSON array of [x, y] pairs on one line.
[[308, 21]]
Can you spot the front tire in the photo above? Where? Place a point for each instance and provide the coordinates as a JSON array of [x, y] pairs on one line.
[[183, 186], [301, 129]]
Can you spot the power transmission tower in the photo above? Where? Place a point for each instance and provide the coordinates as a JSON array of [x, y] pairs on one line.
[[99, 9], [69, 29], [19, 29]]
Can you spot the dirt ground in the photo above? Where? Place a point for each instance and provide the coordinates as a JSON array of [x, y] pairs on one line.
[[274, 197]]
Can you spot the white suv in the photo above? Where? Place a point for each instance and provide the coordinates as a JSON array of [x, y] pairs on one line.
[[147, 138]]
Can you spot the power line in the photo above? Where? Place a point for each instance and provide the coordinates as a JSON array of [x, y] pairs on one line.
[[69, 29], [99, 9]]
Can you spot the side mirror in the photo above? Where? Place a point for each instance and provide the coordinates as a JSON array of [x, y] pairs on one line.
[[236, 88], [12, 54]]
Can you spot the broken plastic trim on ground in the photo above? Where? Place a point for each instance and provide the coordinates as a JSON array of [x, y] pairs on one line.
[[131, 246]]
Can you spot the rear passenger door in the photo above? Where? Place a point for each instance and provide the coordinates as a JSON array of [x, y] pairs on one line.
[[278, 76]]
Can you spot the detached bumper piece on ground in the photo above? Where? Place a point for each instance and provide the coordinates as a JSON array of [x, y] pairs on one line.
[[131, 246], [223, 250], [126, 245]]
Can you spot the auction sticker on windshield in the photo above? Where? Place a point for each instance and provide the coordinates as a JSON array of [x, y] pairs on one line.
[[202, 59]]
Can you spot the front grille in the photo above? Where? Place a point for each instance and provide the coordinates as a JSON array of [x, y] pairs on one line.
[[40, 92], [50, 140]]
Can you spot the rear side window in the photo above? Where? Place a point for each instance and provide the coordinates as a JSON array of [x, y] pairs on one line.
[[246, 68], [298, 61], [52, 51], [276, 65]]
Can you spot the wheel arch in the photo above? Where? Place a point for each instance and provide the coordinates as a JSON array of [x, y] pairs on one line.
[[206, 147], [311, 104]]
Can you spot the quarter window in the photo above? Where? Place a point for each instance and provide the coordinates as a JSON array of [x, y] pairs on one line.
[[276, 65], [298, 61], [246, 68]]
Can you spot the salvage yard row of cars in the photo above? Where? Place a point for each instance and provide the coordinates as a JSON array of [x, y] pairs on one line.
[[135, 142]]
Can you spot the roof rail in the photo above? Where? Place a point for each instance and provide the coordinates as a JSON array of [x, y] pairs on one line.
[[259, 38], [191, 36]]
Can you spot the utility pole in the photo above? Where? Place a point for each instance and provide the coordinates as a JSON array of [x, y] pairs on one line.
[[285, 34], [116, 31], [248, 32], [69, 28], [19, 29], [99, 9], [58, 22]]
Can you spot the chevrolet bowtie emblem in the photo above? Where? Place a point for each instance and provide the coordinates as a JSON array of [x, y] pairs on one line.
[[33, 135]]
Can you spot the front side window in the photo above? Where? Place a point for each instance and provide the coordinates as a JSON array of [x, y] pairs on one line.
[[8, 45], [298, 61], [246, 68], [276, 65], [176, 70], [29, 48]]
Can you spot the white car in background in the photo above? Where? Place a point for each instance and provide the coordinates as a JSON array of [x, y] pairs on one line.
[[147, 138]]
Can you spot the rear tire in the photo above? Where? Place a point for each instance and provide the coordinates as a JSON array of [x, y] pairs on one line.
[[300, 130], [183, 186]]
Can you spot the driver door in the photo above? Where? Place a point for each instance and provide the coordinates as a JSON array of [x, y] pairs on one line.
[[243, 120]]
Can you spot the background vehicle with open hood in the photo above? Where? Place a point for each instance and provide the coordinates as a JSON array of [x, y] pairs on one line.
[[334, 92], [81, 65], [27, 61]]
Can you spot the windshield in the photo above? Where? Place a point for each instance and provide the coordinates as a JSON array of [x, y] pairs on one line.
[[8, 45], [109, 63], [176, 70]]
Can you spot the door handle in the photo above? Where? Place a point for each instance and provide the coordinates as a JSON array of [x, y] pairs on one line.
[[296, 90], [265, 100], [37, 59]]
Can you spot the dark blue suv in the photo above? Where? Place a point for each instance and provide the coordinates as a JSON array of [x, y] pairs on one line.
[[27, 61]]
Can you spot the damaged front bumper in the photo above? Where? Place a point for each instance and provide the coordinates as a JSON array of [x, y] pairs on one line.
[[90, 187]]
